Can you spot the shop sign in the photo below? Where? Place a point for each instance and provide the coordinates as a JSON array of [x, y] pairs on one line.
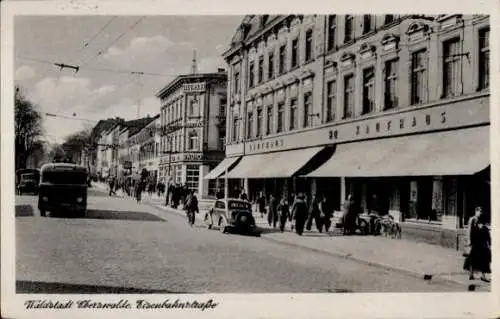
[[463, 113], [194, 87]]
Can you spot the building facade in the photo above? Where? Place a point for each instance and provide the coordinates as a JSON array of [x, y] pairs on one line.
[[192, 119], [392, 109], [148, 138]]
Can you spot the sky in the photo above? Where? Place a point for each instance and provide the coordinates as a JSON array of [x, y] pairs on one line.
[[160, 45]]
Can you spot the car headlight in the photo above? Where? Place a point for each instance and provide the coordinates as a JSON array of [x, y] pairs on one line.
[[79, 200], [45, 199]]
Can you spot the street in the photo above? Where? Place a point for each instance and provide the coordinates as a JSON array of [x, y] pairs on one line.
[[125, 247]]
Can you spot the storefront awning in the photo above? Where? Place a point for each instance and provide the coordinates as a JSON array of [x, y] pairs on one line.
[[276, 164], [221, 168], [458, 152]]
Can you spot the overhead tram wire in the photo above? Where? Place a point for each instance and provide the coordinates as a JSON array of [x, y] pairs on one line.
[[97, 34], [101, 52], [119, 71]]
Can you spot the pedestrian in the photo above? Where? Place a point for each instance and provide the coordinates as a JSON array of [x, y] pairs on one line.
[[272, 216], [326, 211], [350, 215], [299, 213], [314, 214], [243, 195], [262, 204], [479, 256], [284, 213], [112, 186]]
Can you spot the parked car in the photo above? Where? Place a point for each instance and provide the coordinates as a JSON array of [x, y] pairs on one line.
[[231, 215], [63, 190], [27, 181]]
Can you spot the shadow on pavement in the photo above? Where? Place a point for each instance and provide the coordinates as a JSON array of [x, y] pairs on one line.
[[38, 287], [121, 215], [24, 211]]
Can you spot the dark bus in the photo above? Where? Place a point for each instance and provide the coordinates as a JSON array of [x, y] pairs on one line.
[[27, 180], [63, 190]]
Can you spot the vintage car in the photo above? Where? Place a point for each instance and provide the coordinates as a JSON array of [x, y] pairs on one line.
[[27, 181], [231, 215], [63, 190]]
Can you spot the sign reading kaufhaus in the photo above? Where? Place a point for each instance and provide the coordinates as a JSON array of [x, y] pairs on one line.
[[465, 112]]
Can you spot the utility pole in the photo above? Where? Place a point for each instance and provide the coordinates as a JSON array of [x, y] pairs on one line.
[[139, 80]]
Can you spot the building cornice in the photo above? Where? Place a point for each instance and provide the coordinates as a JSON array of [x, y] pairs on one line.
[[186, 78]]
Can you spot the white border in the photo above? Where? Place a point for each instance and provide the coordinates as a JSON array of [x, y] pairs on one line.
[[380, 305]]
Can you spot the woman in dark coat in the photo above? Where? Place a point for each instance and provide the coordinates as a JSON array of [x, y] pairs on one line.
[[479, 257], [350, 216], [299, 213], [262, 204], [272, 216], [284, 213], [314, 214]]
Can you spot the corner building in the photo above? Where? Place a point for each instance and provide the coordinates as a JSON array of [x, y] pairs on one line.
[[193, 129], [395, 106]]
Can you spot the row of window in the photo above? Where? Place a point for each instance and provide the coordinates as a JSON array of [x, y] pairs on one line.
[[193, 142], [255, 78], [419, 76]]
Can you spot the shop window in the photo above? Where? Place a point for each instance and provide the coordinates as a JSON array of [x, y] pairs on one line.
[[349, 96], [251, 75], [259, 122], [368, 90], [192, 177], [451, 68], [391, 84], [367, 23], [235, 130], [269, 123], [294, 119], [282, 60], [418, 77], [307, 110], [281, 117], [270, 66], [331, 96], [389, 18], [309, 45], [484, 59], [250, 125], [349, 28], [261, 69], [236, 87], [295, 53], [332, 29]]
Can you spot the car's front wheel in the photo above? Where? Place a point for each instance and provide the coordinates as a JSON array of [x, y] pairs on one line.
[[223, 225]]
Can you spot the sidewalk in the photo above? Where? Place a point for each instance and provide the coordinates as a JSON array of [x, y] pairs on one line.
[[421, 260]]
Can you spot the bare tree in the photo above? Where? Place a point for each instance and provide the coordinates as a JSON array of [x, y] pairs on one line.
[[28, 128], [75, 144]]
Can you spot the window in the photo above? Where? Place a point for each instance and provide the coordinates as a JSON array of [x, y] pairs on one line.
[[281, 117], [192, 177], [348, 96], [368, 90], [250, 125], [332, 28], [295, 53], [418, 76], [259, 122], [270, 66], [269, 124], [451, 68], [349, 28], [309, 45], [307, 110], [235, 129], [331, 100], [391, 84], [294, 120], [389, 18], [282, 60], [250, 75], [367, 23], [484, 59], [261, 69], [236, 88], [222, 106]]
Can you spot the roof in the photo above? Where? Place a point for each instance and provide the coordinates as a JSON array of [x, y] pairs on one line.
[[186, 78], [135, 126], [62, 165]]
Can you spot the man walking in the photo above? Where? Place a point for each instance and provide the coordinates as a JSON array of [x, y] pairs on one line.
[[314, 214], [284, 213], [299, 213], [272, 216]]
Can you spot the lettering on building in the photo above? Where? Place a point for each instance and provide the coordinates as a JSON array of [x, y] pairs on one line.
[[194, 87]]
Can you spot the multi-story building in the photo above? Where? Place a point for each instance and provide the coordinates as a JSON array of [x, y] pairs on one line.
[[148, 138], [392, 109], [193, 108], [124, 162]]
